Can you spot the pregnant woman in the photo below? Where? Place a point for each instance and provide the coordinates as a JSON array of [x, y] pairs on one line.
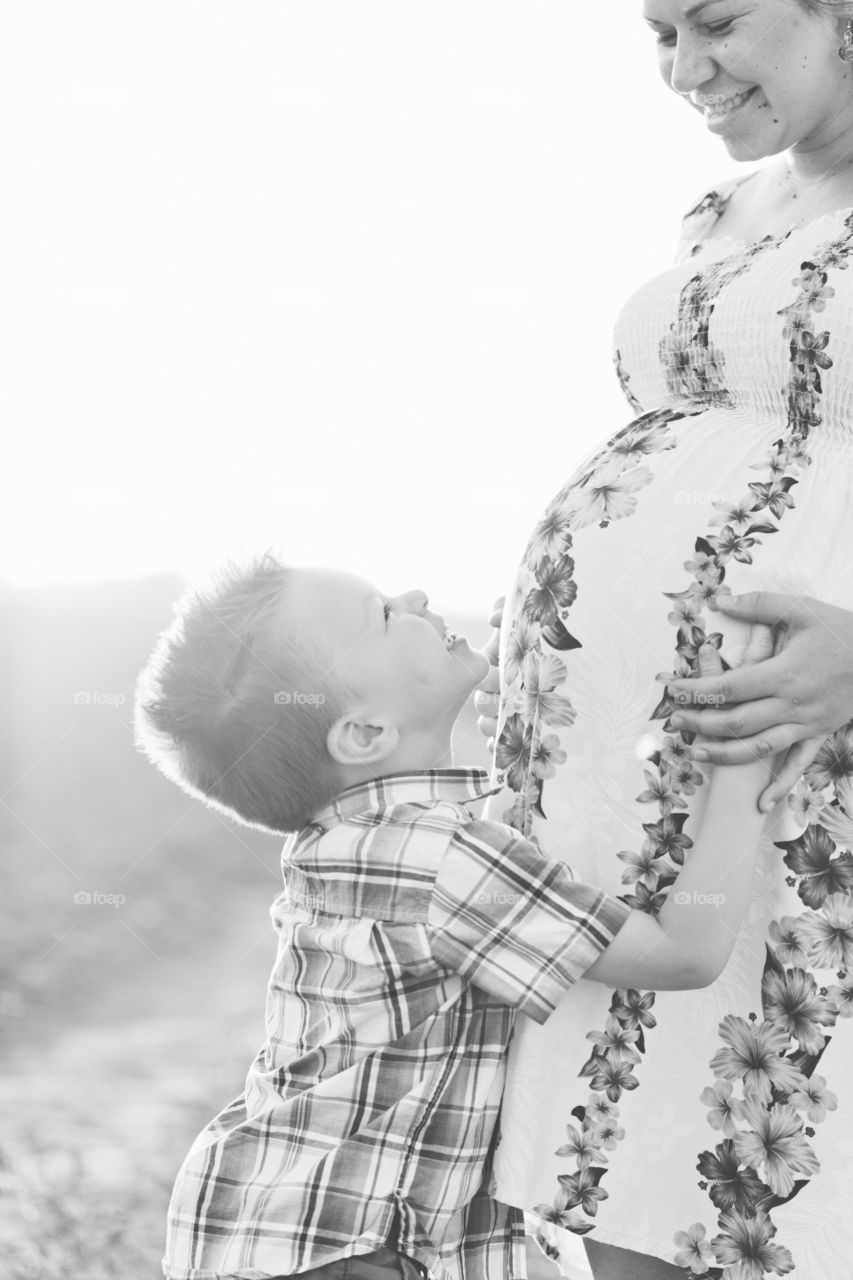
[[707, 1133]]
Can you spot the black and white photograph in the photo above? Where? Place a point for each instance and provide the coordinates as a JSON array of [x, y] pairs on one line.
[[426, 611]]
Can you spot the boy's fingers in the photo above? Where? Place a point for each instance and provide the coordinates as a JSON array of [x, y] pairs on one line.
[[761, 643], [497, 613], [789, 772], [488, 727], [492, 648], [709, 661], [486, 704], [490, 684]]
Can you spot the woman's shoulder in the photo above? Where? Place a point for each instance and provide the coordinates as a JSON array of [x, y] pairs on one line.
[[713, 203]]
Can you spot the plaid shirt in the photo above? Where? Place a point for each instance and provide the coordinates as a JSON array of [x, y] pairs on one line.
[[410, 935]]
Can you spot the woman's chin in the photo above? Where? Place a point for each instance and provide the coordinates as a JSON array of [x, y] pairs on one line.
[[744, 152]]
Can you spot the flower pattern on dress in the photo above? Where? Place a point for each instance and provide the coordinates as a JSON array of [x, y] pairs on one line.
[[772, 1061], [765, 1097]]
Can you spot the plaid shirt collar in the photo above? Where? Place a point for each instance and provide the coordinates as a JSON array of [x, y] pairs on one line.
[[458, 786]]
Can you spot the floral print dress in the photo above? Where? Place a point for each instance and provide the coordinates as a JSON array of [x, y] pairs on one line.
[[710, 1128]]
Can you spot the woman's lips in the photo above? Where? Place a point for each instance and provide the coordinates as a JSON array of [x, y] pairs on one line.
[[716, 107]]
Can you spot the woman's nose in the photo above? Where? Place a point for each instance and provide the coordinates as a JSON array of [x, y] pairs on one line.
[[691, 65], [410, 602]]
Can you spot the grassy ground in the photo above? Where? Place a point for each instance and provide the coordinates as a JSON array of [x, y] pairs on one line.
[[128, 1020]]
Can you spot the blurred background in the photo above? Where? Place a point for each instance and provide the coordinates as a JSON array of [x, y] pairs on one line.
[[336, 278]]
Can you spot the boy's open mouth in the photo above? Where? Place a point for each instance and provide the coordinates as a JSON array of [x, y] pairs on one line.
[[449, 637]]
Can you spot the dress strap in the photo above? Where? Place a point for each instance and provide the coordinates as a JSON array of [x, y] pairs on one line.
[[702, 216]]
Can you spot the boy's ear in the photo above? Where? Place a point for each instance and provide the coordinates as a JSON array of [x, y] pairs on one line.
[[355, 741]]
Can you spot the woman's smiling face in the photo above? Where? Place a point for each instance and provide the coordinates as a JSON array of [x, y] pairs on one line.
[[764, 73]]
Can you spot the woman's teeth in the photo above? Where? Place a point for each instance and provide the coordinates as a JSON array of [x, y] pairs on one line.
[[450, 639], [715, 109]]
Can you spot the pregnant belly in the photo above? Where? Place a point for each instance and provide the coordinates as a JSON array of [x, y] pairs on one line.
[[594, 613]]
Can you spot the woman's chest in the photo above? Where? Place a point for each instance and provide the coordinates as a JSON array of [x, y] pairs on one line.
[[744, 324]]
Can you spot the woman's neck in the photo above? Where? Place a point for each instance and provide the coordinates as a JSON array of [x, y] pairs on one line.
[[823, 165]]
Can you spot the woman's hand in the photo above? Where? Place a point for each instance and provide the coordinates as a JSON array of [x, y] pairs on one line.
[[788, 703], [760, 646], [488, 695]]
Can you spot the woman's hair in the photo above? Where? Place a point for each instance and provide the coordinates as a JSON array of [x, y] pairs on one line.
[[235, 706]]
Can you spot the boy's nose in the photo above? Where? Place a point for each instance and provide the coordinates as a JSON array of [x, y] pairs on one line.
[[410, 602]]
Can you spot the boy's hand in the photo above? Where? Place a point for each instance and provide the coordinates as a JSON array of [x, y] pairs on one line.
[[488, 694]]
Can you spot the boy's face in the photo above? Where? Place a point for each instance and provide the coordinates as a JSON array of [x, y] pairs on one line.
[[392, 653]]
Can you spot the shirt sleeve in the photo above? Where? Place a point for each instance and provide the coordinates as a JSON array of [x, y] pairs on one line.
[[514, 922]]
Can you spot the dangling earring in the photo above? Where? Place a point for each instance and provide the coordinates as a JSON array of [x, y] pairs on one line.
[[845, 52]]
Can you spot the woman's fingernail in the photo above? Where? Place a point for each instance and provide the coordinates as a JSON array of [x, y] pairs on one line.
[[699, 753], [676, 722]]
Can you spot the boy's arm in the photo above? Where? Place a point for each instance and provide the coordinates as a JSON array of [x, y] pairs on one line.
[[513, 922], [690, 941]]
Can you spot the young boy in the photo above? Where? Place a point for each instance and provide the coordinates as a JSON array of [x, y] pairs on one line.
[[411, 933]]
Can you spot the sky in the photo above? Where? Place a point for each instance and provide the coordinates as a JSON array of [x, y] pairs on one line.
[[337, 278]]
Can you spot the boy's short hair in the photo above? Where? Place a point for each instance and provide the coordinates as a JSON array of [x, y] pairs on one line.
[[235, 707]]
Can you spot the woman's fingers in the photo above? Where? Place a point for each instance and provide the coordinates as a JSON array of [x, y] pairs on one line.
[[789, 771], [743, 720], [754, 747], [769, 607], [741, 684], [497, 613], [811, 671]]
